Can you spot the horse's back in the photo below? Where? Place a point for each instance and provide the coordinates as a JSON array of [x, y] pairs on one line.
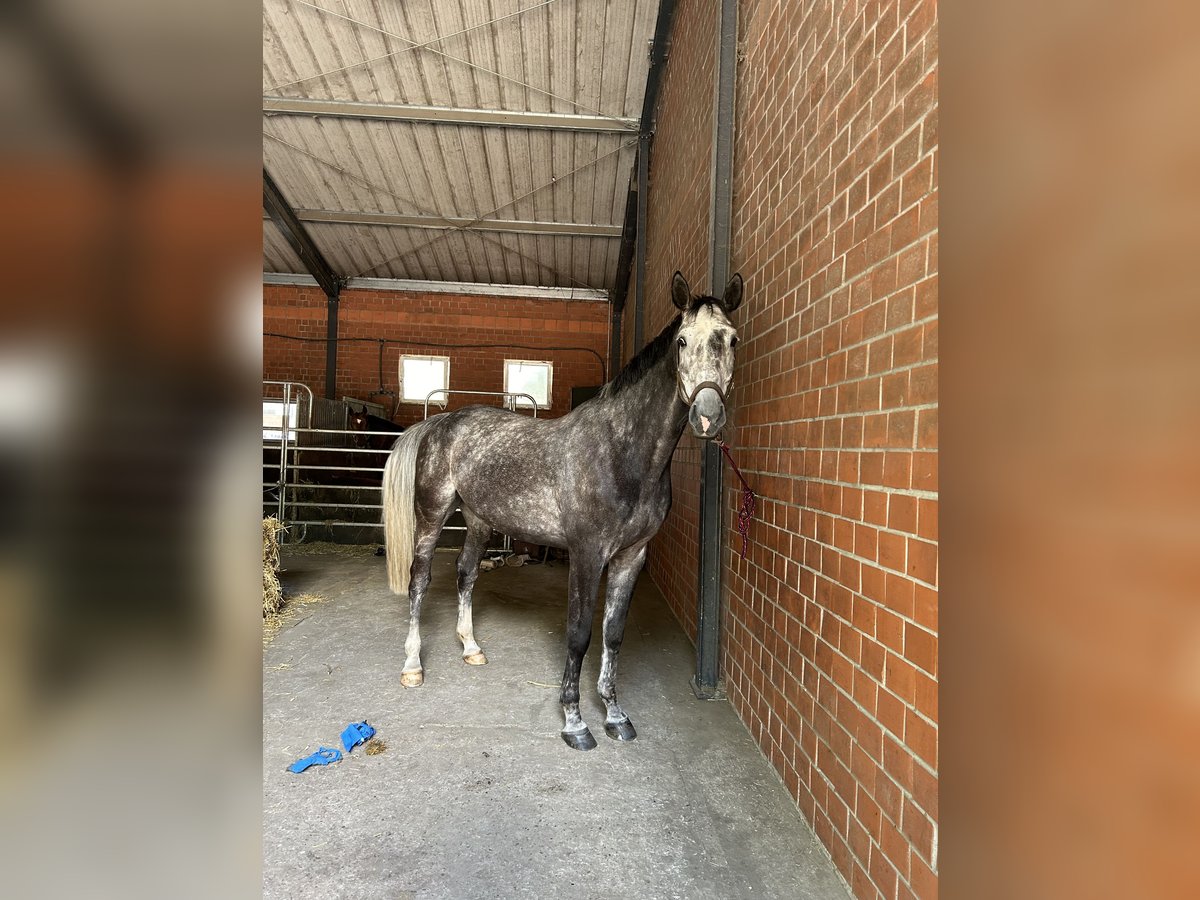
[[474, 430]]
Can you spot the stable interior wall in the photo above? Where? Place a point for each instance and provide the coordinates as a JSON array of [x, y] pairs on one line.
[[830, 625], [572, 334]]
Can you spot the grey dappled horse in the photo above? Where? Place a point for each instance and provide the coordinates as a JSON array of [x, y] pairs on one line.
[[596, 481]]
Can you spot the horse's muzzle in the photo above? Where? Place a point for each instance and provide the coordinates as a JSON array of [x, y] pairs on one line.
[[707, 413]]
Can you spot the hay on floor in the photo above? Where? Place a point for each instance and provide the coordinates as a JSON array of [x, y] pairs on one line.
[[325, 548], [272, 592], [288, 608], [278, 608]]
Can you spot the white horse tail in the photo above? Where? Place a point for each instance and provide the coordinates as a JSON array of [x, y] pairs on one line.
[[399, 506]]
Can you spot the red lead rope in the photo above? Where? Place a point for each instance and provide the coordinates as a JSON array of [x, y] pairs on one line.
[[746, 512]]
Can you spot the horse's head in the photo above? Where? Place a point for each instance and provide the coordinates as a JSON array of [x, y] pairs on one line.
[[705, 343], [357, 421]]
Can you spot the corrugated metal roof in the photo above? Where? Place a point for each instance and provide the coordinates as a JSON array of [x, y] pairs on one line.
[[278, 256], [573, 57]]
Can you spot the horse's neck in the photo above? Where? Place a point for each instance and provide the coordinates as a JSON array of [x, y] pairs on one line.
[[652, 406]]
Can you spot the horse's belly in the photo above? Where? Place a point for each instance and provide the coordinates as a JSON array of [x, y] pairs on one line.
[[526, 518]]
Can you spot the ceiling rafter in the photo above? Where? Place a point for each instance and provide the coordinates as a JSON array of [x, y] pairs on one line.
[[446, 115], [280, 212], [400, 220]]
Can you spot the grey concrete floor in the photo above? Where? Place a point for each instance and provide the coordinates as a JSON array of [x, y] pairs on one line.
[[476, 795]]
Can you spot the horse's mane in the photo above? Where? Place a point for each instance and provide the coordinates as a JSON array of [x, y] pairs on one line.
[[652, 354]]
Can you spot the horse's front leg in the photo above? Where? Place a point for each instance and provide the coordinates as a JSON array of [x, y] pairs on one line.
[[584, 581], [623, 570]]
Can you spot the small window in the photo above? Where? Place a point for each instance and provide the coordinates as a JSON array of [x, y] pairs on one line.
[[273, 420], [421, 374], [527, 376]]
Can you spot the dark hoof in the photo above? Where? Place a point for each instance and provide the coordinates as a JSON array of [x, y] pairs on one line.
[[620, 731], [579, 740]]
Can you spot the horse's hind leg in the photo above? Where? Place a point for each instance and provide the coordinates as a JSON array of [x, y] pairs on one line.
[[479, 533], [623, 571], [584, 580], [428, 528]]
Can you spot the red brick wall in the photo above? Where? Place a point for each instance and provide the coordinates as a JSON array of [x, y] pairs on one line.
[[438, 319], [829, 646]]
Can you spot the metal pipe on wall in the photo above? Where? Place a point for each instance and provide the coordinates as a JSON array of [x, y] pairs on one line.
[[706, 684]]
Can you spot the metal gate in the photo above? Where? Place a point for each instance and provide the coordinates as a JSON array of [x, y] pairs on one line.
[[319, 480]]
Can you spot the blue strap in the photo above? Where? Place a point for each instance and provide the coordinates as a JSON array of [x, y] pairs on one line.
[[322, 757], [356, 733]]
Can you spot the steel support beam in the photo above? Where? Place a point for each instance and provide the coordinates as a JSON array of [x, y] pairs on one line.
[[446, 115], [706, 683], [284, 217], [331, 343], [639, 297], [401, 220], [424, 286], [301, 242], [628, 234], [658, 61]]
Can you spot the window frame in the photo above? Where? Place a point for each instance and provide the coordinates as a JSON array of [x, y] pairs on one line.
[[438, 400], [519, 402], [289, 421]]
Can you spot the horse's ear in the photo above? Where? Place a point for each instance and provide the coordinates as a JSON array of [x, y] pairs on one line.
[[733, 294], [681, 294]]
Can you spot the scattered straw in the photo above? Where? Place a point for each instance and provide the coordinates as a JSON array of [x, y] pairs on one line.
[[375, 746], [325, 548], [278, 610], [288, 610]]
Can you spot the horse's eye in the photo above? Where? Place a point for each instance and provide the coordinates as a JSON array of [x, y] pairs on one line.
[[733, 342], [682, 342]]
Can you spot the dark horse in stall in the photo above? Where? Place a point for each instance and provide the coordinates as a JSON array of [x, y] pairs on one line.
[[367, 428], [596, 481], [371, 432]]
